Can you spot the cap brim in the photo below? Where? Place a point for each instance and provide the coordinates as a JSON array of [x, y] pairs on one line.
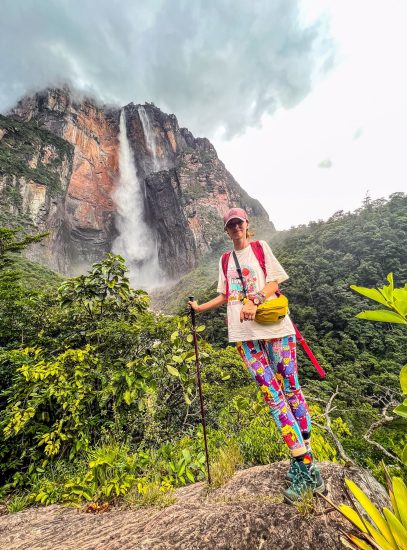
[[234, 218]]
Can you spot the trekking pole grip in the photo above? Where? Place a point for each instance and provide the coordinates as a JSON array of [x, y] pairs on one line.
[[191, 299]]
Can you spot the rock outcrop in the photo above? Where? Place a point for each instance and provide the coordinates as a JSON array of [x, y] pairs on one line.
[[75, 143], [84, 228], [245, 514]]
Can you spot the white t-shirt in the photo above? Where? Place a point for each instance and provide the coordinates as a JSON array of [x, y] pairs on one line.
[[254, 282]]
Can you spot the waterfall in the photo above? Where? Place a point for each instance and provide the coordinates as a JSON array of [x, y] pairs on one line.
[[136, 242], [150, 139]]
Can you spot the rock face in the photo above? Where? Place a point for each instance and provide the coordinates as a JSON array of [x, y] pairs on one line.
[[35, 170], [84, 228], [75, 143], [245, 514]]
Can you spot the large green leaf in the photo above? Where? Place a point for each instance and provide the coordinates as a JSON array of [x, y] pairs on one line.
[[400, 495], [190, 475], [380, 539], [391, 281], [398, 530], [400, 299], [387, 291], [401, 410], [371, 293], [403, 379], [372, 512], [382, 315], [187, 456], [356, 541], [352, 516]]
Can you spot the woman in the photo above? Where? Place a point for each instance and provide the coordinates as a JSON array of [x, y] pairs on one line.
[[268, 351]]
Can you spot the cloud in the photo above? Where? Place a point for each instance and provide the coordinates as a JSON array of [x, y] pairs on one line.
[[326, 163], [358, 134], [217, 64]]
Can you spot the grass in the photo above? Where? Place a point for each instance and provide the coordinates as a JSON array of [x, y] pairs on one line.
[[152, 495], [225, 466], [17, 503], [248, 499], [306, 504]]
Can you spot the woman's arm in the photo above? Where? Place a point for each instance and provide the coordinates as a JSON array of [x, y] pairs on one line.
[[212, 304], [248, 311], [270, 289]]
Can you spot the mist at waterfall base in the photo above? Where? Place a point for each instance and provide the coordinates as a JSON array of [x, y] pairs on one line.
[[136, 241]]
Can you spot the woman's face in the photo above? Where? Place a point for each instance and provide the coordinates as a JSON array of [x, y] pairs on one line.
[[236, 229]]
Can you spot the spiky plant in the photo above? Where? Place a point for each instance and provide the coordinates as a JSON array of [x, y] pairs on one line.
[[385, 530]]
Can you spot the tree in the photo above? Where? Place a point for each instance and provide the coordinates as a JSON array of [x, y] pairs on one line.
[[9, 243]]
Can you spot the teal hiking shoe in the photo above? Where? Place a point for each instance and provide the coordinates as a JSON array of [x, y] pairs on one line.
[[290, 475], [305, 479]]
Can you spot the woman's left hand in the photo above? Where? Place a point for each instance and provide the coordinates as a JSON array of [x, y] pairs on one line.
[[248, 311]]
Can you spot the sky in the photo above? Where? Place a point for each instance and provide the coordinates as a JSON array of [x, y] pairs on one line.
[[304, 100], [348, 137]]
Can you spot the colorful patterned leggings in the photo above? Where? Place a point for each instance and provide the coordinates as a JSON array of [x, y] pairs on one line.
[[273, 365]]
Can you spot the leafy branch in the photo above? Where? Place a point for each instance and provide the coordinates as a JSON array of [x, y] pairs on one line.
[[394, 299]]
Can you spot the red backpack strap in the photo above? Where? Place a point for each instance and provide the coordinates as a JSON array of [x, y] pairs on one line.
[[225, 262], [259, 253]]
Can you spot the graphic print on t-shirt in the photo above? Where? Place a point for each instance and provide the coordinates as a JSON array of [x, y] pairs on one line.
[[236, 294]]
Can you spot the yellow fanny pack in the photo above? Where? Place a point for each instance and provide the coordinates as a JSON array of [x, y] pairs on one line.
[[271, 311], [268, 312]]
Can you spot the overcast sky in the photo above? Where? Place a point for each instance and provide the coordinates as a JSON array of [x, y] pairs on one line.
[[305, 101]]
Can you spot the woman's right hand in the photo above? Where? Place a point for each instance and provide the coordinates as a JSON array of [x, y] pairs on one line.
[[194, 305]]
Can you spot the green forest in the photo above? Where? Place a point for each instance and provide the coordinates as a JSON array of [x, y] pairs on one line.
[[98, 391]]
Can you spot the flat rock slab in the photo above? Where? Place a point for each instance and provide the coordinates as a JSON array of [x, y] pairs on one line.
[[247, 513]]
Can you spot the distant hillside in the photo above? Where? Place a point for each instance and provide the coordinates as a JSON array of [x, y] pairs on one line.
[[35, 276]]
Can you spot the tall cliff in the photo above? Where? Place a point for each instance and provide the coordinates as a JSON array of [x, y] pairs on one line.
[[60, 171]]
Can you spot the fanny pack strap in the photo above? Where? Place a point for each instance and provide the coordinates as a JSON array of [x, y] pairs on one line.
[[239, 272]]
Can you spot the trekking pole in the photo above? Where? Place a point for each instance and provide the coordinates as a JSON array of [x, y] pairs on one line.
[[198, 376]]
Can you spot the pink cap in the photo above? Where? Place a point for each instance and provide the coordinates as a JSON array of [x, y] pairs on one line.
[[234, 213]]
